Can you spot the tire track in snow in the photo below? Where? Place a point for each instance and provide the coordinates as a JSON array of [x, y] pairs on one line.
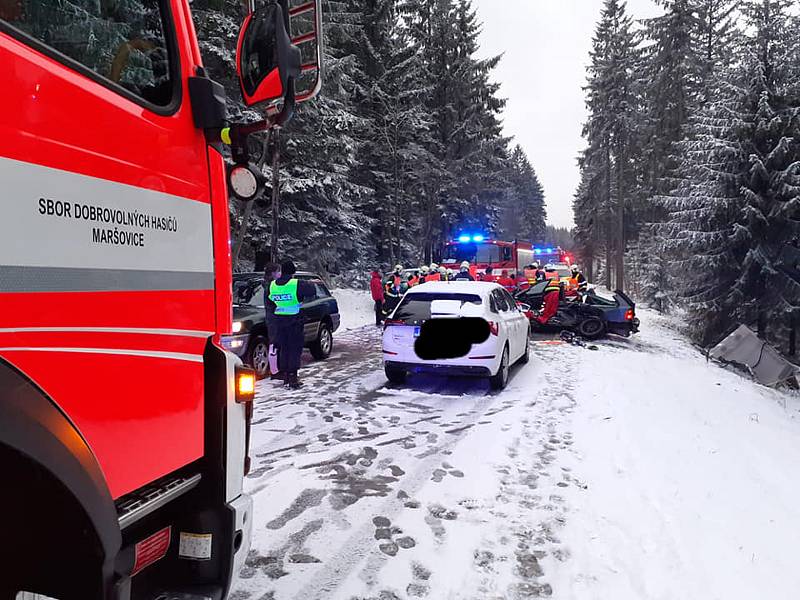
[[530, 506]]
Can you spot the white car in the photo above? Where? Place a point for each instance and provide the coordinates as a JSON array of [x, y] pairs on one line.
[[506, 345]]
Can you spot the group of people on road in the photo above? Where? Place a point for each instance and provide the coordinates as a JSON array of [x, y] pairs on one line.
[[387, 292], [284, 294]]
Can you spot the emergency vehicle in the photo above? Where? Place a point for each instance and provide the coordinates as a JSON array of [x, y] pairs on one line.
[[503, 257], [124, 423]]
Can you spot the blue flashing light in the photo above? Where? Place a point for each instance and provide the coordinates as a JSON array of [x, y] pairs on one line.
[[537, 251], [478, 238], [464, 238], [550, 250]]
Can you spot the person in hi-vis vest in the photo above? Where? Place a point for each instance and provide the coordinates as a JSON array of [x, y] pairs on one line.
[[271, 272], [288, 293]]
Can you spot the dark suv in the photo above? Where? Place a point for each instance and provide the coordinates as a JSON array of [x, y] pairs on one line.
[[249, 340]]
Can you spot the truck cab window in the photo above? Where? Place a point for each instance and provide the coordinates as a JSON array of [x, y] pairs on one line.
[[120, 40]]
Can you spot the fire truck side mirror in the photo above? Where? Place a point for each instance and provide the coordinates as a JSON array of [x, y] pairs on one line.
[[279, 54], [266, 60], [305, 29]]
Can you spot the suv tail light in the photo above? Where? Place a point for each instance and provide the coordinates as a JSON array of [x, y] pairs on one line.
[[629, 315], [390, 322], [494, 327]]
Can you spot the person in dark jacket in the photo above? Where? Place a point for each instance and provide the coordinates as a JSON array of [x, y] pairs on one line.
[[464, 274], [288, 293], [271, 272], [376, 289]]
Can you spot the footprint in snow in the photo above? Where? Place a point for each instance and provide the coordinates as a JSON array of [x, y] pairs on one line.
[[388, 536], [419, 588]]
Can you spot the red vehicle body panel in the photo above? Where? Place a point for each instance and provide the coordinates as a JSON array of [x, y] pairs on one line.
[[125, 365]]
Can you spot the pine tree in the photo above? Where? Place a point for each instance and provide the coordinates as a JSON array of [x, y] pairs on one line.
[[460, 187], [523, 212], [737, 203], [611, 133]]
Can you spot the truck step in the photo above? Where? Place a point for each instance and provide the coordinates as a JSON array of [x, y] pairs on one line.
[[144, 501]]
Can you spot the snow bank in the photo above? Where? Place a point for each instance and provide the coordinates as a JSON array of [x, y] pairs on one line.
[[355, 307], [689, 468]]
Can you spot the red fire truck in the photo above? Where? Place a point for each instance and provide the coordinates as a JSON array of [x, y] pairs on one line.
[[124, 423], [504, 258]]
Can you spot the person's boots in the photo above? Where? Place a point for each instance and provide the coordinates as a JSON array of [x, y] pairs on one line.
[[293, 382], [278, 377]]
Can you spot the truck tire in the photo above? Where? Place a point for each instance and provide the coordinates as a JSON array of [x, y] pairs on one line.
[[396, 376], [592, 328], [499, 380], [258, 356], [322, 347]]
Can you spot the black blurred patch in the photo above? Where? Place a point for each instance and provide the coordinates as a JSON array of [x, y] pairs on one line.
[[450, 338]]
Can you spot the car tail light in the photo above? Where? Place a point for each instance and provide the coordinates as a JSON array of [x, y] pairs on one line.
[[494, 327], [390, 322], [629, 315]]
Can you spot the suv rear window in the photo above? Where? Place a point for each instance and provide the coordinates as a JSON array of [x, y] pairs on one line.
[[416, 308]]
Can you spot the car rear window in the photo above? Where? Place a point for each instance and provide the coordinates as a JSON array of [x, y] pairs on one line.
[[416, 308]]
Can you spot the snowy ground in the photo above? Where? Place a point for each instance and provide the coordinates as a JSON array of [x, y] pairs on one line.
[[636, 471], [355, 307]]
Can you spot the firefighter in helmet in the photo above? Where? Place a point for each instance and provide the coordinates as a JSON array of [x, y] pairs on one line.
[[579, 281], [464, 274]]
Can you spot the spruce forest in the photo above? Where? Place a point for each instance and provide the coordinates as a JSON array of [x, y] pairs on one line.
[[403, 148], [690, 177]]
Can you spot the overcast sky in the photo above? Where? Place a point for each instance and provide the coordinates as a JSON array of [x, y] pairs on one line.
[[546, 48]]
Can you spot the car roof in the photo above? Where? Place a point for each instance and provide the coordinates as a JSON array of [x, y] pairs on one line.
[[480, 288], [257, 275]]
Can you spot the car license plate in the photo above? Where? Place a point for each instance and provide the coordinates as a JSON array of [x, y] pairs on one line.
[[416, 331]]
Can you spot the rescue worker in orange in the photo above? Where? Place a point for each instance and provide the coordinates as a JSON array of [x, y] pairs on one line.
[[434, 273], [487, 276], [552, 298], [580, 282], [506, 281]]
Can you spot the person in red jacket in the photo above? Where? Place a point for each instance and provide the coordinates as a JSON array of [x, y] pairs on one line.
[[376, 288], [552, 298], [506, 281]]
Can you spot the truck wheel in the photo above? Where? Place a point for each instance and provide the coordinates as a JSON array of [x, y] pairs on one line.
[[397, 376], [592, 328], [258, 356], [322, 347], [500, 379]]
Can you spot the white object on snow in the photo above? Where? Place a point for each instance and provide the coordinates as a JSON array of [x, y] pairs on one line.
[[744, 347]]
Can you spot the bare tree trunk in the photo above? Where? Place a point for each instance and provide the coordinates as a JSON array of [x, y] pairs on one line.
[[242, 231], [276, 193], [620, 228], [607, 218]]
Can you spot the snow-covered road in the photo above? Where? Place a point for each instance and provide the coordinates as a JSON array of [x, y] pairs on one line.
[[634, 471]]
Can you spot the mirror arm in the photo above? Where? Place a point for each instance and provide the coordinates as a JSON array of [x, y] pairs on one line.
[[236, 134]]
